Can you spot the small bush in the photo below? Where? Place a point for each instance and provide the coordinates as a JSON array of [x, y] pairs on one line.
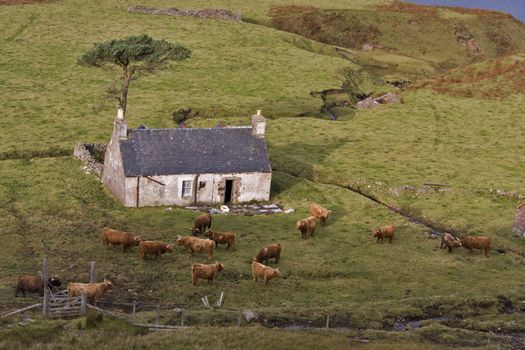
[[93, 319]]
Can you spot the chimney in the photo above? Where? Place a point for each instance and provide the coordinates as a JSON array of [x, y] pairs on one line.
[[258, 125], [120, 127]]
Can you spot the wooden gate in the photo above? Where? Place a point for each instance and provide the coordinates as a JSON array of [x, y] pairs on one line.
[[59, 306]]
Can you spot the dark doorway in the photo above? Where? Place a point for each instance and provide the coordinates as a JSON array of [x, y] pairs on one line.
[[228, 191]]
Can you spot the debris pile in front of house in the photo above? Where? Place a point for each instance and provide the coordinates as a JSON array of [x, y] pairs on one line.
[[243, 209]]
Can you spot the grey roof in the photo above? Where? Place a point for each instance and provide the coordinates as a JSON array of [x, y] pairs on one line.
[[150, 152]]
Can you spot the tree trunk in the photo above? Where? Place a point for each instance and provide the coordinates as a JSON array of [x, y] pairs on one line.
[[128, 73]]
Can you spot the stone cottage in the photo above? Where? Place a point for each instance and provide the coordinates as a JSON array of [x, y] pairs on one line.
[[185, 166]]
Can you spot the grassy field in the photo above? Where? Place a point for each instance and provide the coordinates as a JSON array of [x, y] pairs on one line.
[[439, 134]]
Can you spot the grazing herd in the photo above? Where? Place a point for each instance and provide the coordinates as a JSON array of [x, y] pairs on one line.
[[209, 272]]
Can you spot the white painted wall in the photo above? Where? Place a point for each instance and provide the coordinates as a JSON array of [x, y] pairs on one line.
[[252, 186]]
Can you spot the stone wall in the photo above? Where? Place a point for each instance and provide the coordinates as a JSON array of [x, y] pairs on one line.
[[221, 14], [86, 153]]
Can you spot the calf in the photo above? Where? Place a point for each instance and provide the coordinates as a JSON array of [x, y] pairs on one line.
[[222, 238], [202, 222], [114, 237], [306, 226], [153, 248], [319, 212], [269, 252], [264, 272], [204, 271], [34, 284], [449, 241], [93, 291], [471, 242], [384, 232], [194, 244]]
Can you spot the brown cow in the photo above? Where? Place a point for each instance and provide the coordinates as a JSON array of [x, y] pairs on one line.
[[114, 237], [263, 271], [269, 252], [222, 238], [202, 222], [205, 271], [306, 226], [384, 232], [471, 242], [449, 241], [319, 212], [27, 283], [91, 290], [194, 244], [154, 248]]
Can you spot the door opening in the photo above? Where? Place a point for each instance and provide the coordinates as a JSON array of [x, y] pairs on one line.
[[228, 191]]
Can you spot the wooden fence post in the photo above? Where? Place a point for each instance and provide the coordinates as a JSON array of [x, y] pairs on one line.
[[157, 318], [83, 304], [327, 321], [134, 309], [239, 319], [93, 272], [182, 318], [45, 277]]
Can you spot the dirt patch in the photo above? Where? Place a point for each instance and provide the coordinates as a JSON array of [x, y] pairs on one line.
[[467, 40]]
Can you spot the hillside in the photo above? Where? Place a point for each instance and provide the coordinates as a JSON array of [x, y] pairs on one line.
[[445, 37], [450, 155]]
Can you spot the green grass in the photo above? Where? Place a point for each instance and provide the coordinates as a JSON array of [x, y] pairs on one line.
[[471, 144], [115, 334]]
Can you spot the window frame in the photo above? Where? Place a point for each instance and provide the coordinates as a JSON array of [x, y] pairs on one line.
[[189, 188]]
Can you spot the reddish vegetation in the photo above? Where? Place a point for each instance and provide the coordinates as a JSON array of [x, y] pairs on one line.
[[337, 27], [493, 79], [399, 6]]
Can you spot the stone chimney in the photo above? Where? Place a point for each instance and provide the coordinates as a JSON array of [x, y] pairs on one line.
[[258, 124], [120, 127]]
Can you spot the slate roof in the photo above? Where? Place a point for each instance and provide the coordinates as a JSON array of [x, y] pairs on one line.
[[150, 152]]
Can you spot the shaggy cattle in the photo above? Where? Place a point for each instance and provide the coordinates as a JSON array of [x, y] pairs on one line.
[[306, 226], [222, 238], [205, 271], [450, 242], [269, 252], [34, 284], [319, 212], [153, 248], [384, 232], [114, 237], [202, 222], [194, 244], [93, 291], [471, 242], [263, 271]]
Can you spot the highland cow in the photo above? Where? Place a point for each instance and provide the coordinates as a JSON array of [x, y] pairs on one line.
[[205, 271], [265, 272], [194, 244], [114, 237], [202, 222], [319, 213], [384, 232], [222, 238], [93, 291], [306, 226], [34, 284], [269, 252], [153, 248], [449, 241], [471, 242]]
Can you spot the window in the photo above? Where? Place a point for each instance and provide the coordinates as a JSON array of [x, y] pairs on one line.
[[186, 188]]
